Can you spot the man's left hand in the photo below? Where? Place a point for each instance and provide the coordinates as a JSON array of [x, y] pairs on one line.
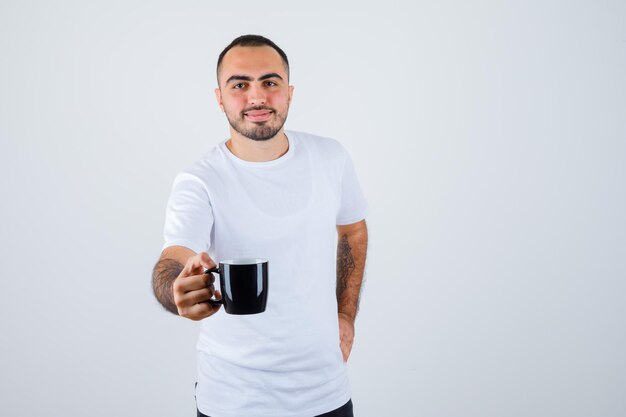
[[346, 335]]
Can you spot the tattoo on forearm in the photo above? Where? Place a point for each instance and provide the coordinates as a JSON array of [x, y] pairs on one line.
[[345, 265], [163, 275]]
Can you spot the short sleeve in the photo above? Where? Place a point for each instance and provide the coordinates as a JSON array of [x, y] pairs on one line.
[[353, 206], [188, 216]]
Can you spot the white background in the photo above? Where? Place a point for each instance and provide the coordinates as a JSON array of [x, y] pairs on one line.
[[490, 140]]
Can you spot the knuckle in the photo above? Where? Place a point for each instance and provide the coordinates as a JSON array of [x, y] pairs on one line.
[[178, 288], [200, 296]]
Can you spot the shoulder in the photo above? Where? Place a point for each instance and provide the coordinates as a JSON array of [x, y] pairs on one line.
[[322, 144], [203, 168]]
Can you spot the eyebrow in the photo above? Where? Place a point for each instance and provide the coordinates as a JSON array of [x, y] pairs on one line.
[[248, 78]]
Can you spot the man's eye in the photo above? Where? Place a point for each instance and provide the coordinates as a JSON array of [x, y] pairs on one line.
[[270, 83], [238, 85]]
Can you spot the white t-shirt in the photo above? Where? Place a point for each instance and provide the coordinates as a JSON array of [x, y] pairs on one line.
[[285, 361]]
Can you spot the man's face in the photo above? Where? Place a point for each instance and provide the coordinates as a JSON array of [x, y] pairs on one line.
[[253, 91]]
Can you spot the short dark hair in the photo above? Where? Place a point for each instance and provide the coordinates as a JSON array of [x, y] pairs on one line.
[[252, 40]]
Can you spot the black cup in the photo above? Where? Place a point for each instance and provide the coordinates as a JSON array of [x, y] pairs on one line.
[[243, 283]]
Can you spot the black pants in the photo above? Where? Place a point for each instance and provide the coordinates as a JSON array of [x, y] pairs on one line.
[[343, 411]]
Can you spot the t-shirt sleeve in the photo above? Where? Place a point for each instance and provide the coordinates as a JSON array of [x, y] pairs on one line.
[[188, 216], [353, 206]]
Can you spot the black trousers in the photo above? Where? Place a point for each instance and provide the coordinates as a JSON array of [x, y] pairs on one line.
[[343, 411]]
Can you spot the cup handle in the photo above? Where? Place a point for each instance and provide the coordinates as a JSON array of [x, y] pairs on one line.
[[212, 301]]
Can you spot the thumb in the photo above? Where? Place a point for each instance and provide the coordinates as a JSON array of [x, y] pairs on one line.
[[197, 263], [205, 260]]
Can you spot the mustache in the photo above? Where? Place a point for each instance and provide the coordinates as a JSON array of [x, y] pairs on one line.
[[259, 108]]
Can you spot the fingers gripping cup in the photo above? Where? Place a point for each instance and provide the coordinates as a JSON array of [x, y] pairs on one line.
[[243, 283]]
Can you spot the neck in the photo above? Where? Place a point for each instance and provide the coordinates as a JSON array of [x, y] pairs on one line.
[[258, 150]]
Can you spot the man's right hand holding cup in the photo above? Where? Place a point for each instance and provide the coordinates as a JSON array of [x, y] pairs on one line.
[[193, 288]]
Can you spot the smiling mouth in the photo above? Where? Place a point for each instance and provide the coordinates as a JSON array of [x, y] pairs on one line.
[[258, 115]]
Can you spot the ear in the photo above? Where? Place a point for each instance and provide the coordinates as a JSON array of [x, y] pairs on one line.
[[290, 93], [218, 96]]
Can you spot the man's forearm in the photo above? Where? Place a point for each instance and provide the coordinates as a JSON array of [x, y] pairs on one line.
[[163, 275], [351, 254]]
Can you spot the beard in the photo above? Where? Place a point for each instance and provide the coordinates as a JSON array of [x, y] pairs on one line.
[[260, 131]]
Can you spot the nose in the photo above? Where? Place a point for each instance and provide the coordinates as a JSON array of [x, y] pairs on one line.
[[256, 95]]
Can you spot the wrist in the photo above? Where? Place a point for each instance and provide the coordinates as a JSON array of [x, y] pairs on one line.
[[347, 316]]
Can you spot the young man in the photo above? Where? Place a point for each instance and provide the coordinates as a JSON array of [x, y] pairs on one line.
[[291, 198]]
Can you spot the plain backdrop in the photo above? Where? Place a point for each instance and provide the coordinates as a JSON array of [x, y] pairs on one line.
[[489, 138]]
